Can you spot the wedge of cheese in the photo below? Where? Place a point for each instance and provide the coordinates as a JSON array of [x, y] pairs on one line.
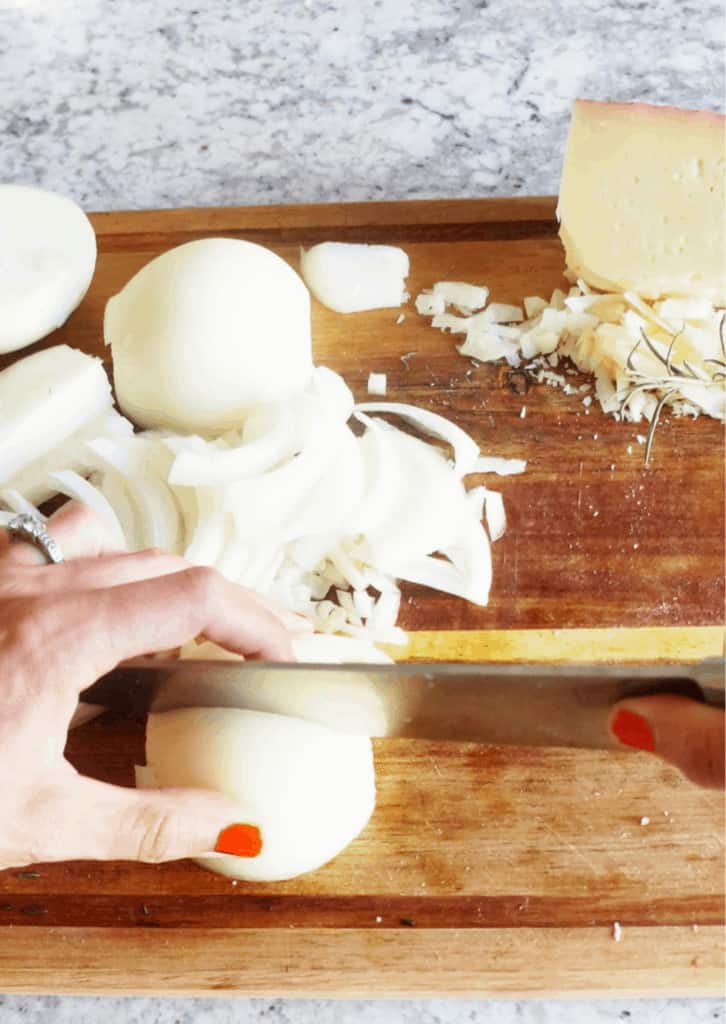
[[641, 205]]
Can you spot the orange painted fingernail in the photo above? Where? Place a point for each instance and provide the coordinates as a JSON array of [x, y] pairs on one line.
[[633, 731], [240, 840]]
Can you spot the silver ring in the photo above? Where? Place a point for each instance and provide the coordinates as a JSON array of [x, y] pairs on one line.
[[31, 530]]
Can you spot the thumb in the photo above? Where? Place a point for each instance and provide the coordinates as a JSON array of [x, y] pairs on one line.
[[684, 732], [97, 821]]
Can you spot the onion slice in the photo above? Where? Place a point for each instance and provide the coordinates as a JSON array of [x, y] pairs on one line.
[[502, 467], [466, 451], [74, 486]]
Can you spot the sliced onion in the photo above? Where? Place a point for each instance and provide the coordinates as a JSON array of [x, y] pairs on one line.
[[111, 485], [466, 451], [495, 514], [426, 503], [139, 460], [211, 530], [467, 573], [74, 486], [217, 467], [18, 504]]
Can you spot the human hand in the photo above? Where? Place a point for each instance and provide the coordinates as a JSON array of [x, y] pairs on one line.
[[684, 732], [61, 627]]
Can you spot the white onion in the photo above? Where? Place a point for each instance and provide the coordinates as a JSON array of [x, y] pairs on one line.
[[310, 790], [213, 466], [18, 504], [495, 514], [502, 467], [47, 398], [207, 331], [74, 486], [465, 448], [349, 278], [34, 480], [47, 259], [143, 464]]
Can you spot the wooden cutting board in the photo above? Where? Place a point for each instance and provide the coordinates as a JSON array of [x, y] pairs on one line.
[[484, 870]]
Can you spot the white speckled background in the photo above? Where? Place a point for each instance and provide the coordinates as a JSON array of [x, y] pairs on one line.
[[129, 105]]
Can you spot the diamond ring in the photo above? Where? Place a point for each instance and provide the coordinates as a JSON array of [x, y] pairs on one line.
[[31, 530]]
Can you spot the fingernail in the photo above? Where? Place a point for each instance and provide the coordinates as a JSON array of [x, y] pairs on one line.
[[240, 840], [633, 731]]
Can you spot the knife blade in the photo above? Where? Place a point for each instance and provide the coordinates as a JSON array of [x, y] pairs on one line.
[[527, 705]]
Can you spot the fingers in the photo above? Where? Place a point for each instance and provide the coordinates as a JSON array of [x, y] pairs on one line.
[[78, 530], [87, 819], [688, 734], [112, 570], [98, 629]]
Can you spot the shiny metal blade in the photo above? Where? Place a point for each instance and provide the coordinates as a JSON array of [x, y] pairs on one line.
[[529, 705]]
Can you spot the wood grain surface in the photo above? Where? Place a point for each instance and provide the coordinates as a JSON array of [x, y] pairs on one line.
[[484, 869]]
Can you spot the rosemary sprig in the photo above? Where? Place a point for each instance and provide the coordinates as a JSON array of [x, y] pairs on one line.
[[654, 423], [676, 374]]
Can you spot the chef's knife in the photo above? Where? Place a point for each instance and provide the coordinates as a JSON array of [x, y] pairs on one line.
[[529, 705]]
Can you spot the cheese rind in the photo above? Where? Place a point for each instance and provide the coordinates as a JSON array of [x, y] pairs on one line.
[[641, 205]]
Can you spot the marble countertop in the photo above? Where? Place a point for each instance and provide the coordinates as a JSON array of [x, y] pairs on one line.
[[210, 102], [125, 105]]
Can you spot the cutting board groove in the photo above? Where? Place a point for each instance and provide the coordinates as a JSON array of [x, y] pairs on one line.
[[483, 870]]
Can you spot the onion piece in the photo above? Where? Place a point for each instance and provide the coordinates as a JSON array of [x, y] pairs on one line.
[[495, 515], [74, 486], [48, 258], [139, 460], [426, 503], [33, 480], [502, 467], [111, 485], [46, 398], [467, 573], [349, 278], [263, 504], [214, 466], [376, 384], [466, 451], [211, 530], [19, 505]]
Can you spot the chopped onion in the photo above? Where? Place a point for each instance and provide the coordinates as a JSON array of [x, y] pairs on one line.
[[376, 383]]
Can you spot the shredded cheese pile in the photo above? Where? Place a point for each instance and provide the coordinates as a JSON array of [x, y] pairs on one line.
[[643, 355]]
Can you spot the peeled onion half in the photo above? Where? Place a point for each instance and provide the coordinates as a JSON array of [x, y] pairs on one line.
[[207, 331], [47, 259], [309, 789]]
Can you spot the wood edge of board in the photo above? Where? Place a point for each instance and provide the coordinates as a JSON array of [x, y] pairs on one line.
[[665, 644], [362, 215], [510, 963]]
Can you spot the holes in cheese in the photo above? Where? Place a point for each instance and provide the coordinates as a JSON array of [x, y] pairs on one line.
[[641, 203]]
